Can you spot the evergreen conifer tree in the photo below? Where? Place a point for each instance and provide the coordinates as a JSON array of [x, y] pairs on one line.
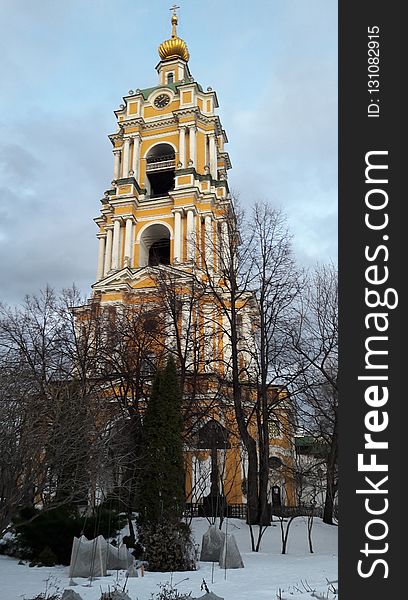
[[161, 495], [166, 539]]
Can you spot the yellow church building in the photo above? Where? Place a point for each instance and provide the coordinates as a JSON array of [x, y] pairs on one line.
[[167, 217]]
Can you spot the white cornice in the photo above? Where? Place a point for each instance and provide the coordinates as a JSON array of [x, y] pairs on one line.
[[120, 280], [156, 122], [132, 122], [124, 202], [185, 191]]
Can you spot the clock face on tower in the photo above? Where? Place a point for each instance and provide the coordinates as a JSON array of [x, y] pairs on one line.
[[161, 100]]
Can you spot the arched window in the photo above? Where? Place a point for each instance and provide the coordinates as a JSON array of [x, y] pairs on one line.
[[159, 252], [155, 246], [170, 78], [160, 166]]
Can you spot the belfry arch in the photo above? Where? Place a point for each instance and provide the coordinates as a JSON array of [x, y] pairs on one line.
[[155, 245], [160, 168]]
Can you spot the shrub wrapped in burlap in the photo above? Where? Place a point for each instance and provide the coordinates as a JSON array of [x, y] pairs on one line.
[[88, 557], [118, 557], [70, 595], [211, 545], [230, 557]]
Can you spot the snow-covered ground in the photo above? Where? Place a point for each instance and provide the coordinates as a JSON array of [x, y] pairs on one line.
[[296, 574]]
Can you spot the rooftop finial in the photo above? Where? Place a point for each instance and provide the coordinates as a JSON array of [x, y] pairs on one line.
[[175, 47], [174, 21]]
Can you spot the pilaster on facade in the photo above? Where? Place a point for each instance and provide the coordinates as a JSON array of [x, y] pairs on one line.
[[116, 163], [178, 235], [129, 221], [126, 157], [135, 171], [193, 145], [117, 224], [191, 233], [182, 147], [101, 255], [208, 250], [108, 250], [212, 154]]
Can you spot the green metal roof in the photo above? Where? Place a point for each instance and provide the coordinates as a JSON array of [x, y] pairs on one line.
[[173, 86]]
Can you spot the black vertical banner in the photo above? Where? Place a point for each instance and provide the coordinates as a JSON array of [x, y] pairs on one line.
[[373, 237]]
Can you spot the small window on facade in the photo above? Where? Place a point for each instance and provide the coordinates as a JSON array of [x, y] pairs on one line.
[[274, 428], [150, 324], [170, 78]]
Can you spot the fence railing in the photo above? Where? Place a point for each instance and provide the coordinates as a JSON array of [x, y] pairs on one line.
[[160, 165], [239, 511]]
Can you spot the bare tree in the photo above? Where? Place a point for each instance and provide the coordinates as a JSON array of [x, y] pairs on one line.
[[229, 286], [253, 282], [315, 344], [45, 406], [182, 299], [275, 285]]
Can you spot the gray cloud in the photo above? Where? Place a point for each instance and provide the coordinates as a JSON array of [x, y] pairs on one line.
[[51, 185], [65, 67]]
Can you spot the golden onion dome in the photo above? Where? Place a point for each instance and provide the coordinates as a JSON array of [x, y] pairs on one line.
[[175, 47]]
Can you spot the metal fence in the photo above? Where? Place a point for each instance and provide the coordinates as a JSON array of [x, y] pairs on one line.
[[239, 511]]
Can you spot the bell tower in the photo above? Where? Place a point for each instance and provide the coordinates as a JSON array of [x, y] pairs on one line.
[[169, 191], [166, 220]]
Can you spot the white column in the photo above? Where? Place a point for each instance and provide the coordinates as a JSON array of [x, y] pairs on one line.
[[213, 155], [191, 237], [182, 146], [108, 252], [128, 242], [116, 164], [216, 247], [208, 241], [136, 157], [187, 329], [193, 145], [101, 256], [224, 242], [126, 155], [177, 236], [116, 243], [209, 353], [226, 344]]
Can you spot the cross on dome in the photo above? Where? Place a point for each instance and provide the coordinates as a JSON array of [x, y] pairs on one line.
[[175, 47], [174, 20]]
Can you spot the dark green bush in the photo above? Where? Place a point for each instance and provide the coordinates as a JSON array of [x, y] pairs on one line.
[[47, 558], [168, 547], [57, 528]]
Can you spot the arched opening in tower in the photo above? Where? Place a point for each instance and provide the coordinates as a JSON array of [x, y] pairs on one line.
[[160, 167], [159, 253], [155, 246]]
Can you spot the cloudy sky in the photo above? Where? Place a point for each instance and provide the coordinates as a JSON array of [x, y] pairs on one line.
[[64, 68]]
